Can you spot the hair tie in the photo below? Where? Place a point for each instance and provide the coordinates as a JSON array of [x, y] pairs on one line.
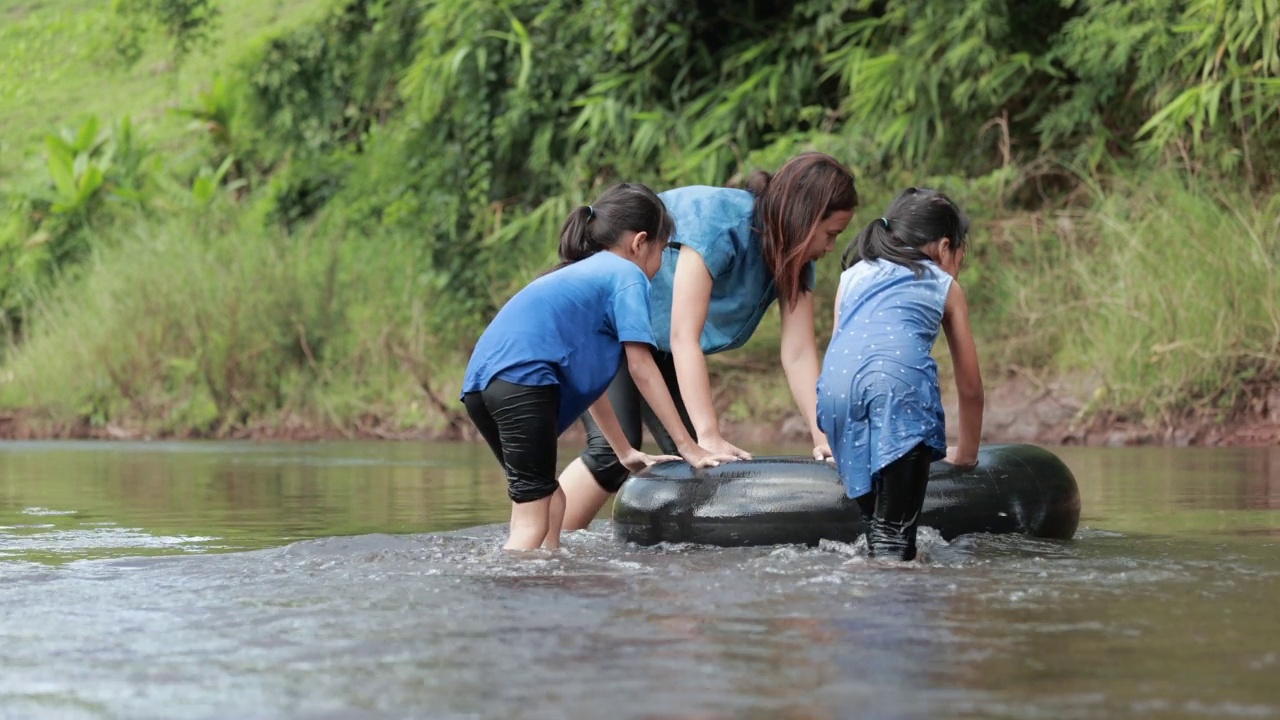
[[591, 212], [885, 222]]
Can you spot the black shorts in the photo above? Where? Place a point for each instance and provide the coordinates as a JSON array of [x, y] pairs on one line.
[[632, 410], [519, 423]]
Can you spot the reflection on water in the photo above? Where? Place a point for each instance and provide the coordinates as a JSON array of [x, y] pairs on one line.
[[401, 605], [1228, 490], [61, 501]]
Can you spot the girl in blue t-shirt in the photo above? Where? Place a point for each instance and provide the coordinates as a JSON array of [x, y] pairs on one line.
[[552, 350], [733, 254], [878, 397]]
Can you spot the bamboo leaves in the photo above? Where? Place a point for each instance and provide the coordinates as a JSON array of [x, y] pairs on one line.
[[1231, 63]]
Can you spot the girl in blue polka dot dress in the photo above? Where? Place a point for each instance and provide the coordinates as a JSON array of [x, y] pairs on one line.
[[878, 397]]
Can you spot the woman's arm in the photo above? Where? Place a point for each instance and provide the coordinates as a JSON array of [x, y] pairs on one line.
[[648, 380], [964, 360], [800, 363], [691, 294], [607, 420]]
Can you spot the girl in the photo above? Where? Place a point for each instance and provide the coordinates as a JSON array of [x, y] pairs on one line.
[[734, 253], [878, 396], [553, 348]]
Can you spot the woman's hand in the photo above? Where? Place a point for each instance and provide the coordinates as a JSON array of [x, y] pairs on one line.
[[700, 457], [720, 446], [635, 461], [964, 463], [823, 452]]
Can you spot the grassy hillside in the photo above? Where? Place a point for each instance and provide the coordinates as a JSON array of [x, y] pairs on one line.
[[58, 65]]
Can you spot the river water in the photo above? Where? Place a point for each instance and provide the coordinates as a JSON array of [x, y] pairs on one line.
[[364, 580]]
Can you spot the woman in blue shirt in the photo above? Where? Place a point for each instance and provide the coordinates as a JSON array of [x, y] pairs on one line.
[[734, 252], [553, 349]]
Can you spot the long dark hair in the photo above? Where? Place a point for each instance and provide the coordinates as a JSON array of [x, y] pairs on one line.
[[918, 217], [599, 226], [789, 204]]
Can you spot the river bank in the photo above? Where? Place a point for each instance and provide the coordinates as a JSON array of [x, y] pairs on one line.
[[1018, 410]]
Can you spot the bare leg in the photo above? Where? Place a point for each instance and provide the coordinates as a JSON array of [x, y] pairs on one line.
[[555, 518], [528, 524], [583, 495]]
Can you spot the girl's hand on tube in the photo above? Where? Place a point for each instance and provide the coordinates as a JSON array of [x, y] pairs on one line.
[[635, 461], [964, 463], [720, 446]]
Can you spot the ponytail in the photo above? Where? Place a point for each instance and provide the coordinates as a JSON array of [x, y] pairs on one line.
[[917, 218], [622, 208], [576, 240], [877, 242]]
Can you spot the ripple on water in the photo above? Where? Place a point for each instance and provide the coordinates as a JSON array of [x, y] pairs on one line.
[[51, 542], [448, 624]]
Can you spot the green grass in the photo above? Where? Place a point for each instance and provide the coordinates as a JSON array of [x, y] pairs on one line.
[[205, 324], [1179, 299], [1163, 289], [57, 66]]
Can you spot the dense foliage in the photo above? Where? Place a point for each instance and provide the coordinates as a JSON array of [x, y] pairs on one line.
[[453, 136]]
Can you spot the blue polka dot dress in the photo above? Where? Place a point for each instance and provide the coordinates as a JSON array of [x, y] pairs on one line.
[[878, 393]]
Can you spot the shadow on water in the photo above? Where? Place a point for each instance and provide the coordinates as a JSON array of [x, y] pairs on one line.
[[369, 583]]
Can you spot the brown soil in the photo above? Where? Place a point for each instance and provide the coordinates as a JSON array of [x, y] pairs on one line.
[[1018, 410], [1024, 409]]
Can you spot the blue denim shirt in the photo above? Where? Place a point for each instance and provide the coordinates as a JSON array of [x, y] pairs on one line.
[[718, 223]]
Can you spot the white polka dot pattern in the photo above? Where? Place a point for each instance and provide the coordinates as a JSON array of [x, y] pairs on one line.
[[878, 394]]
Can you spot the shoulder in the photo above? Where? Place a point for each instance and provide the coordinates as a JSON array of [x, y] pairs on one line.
[[707, 202], [862, 268], [601, 271], [937, 274], [617, 271], [714, 221], [866, 270]]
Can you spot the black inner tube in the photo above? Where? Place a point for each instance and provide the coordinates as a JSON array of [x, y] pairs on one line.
[[788, 500]]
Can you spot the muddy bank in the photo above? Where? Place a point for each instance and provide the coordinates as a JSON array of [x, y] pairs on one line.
[[1018, 409], [1023, 409]]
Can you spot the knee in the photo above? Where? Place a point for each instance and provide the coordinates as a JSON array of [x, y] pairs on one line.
[[609, 474], [603, 464], [527, 489]]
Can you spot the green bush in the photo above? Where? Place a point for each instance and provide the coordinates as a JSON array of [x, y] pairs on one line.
[[394, 170]]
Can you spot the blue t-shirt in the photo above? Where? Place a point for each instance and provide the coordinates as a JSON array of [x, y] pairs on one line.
[[719, 224], [566, 328]]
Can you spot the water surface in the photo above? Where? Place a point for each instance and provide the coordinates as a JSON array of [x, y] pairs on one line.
[[364, 580]]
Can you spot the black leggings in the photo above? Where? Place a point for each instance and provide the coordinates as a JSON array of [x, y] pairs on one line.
[[892, 509], [519, 423], [631, 409]]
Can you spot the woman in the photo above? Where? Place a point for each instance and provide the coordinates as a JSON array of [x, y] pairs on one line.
[[733, 254]]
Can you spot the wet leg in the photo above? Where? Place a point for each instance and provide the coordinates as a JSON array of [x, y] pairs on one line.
[[596, 474], [525, 420], [555, 519], [898, 504]]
